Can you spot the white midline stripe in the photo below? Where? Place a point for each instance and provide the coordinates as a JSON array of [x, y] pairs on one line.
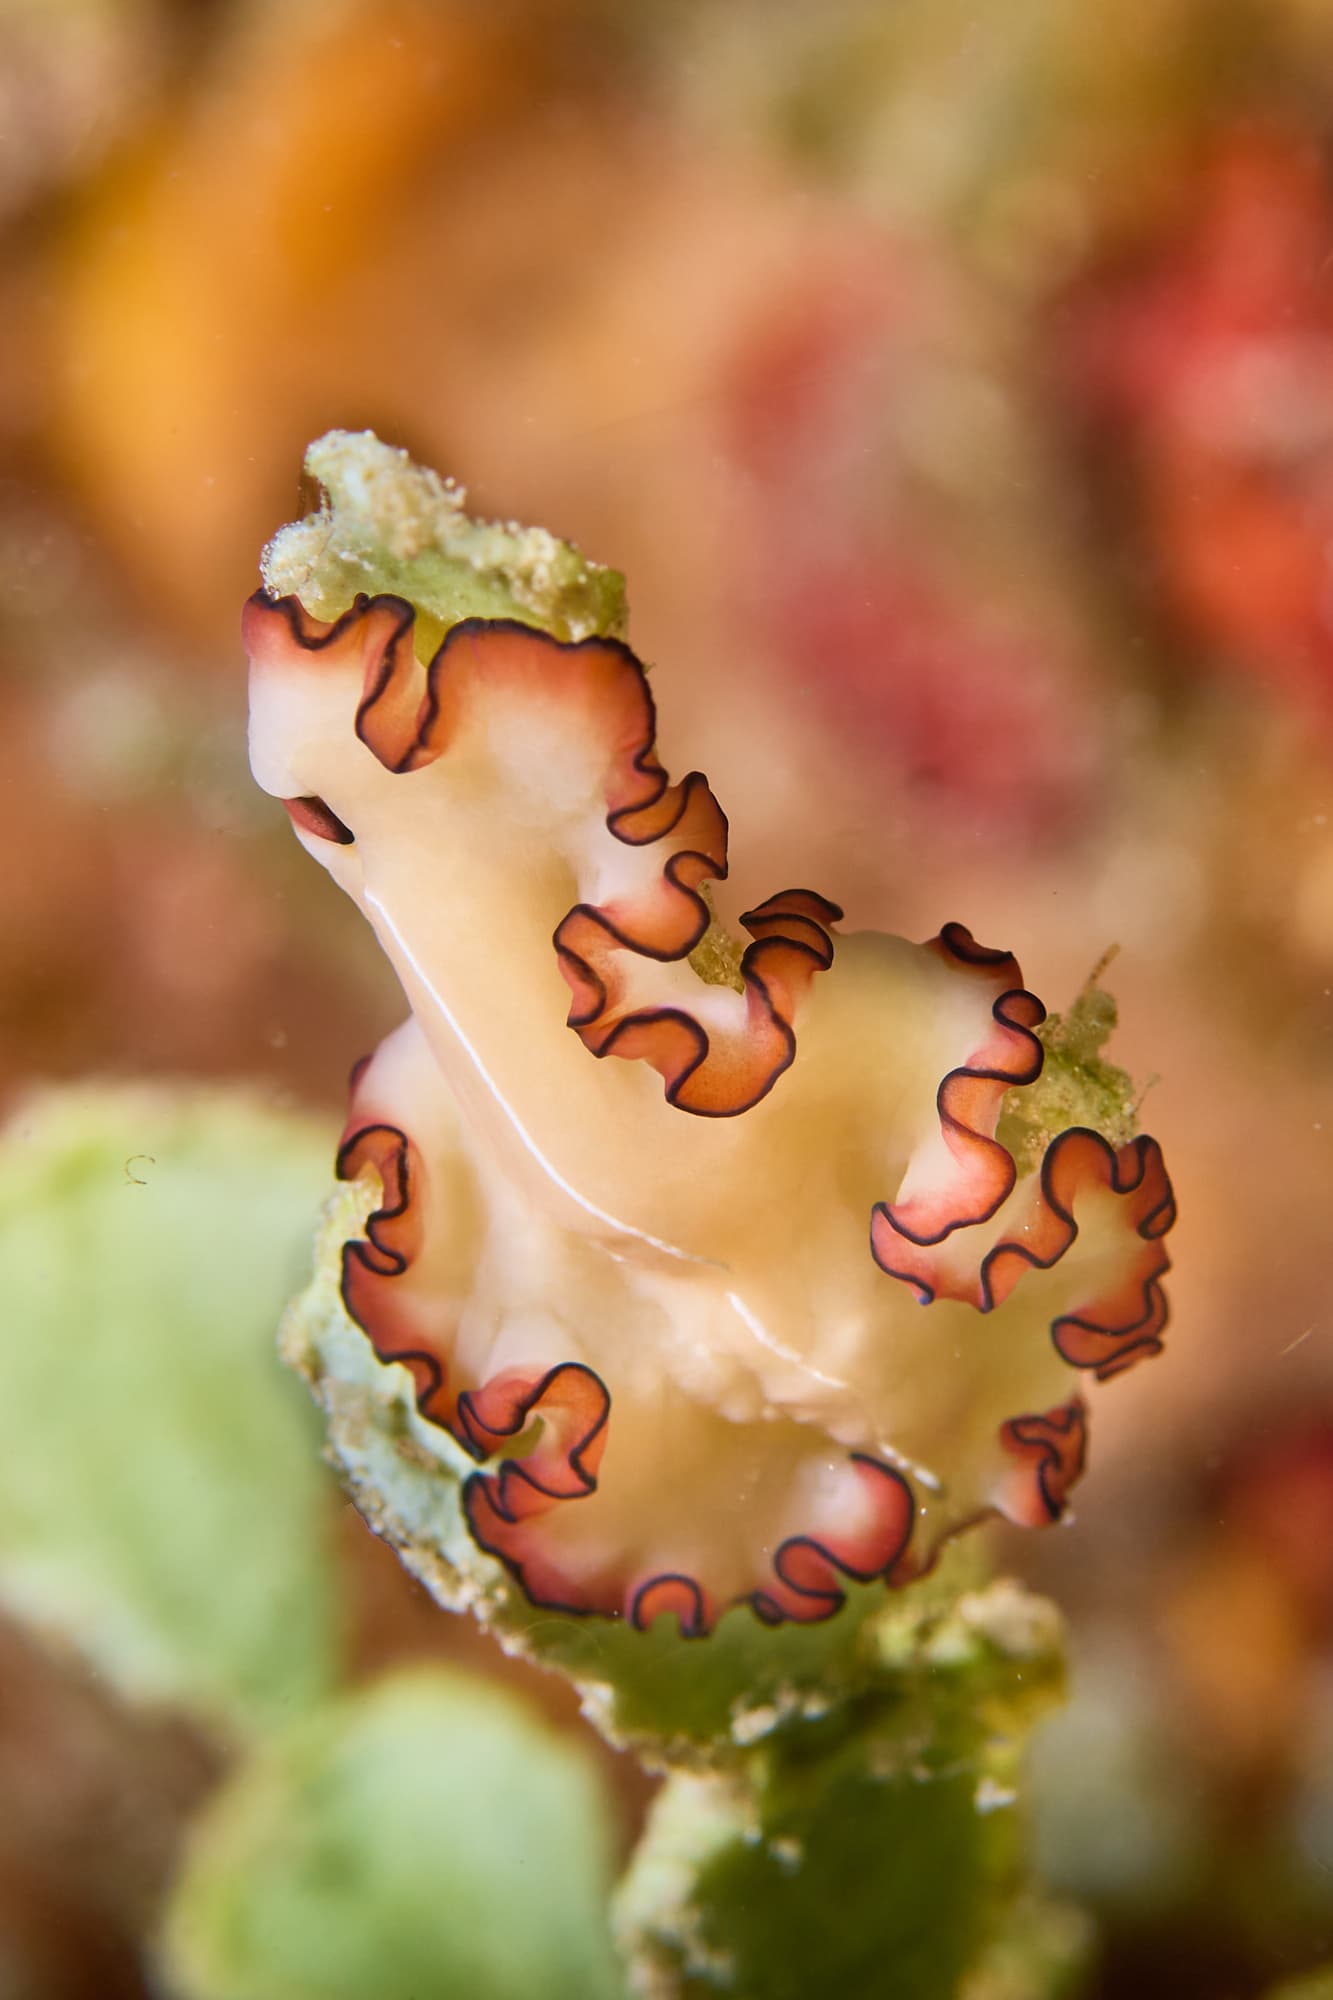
[[590, 1208]]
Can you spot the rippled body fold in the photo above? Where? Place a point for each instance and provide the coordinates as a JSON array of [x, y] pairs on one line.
[[728, 1287]]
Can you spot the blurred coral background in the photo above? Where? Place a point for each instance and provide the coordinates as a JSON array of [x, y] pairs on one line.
[[954, 383]]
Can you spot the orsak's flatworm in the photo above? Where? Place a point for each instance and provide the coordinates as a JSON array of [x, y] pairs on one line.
[[710, 1258]]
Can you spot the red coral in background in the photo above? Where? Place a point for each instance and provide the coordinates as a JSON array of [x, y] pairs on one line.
[[1210, 354], [862, 558]]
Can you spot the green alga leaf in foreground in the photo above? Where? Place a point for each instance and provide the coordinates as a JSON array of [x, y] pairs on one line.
[[162, 1505], [871, 1850], [422, 1837]]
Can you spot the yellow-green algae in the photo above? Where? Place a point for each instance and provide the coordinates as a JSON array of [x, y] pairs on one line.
[[1077, 1085], [386, 525]]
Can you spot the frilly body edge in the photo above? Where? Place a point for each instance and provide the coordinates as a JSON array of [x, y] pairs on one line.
[[729, 1290]]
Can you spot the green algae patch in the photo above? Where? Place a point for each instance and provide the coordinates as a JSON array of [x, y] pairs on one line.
[[387, 526], [162, 1505]]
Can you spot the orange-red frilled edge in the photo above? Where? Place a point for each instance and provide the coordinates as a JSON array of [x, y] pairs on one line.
[[506, 1507], [407, 719], [1120, 1322], [712, 1073], [807, 1568], [505, 1517], [570, 1400], [1050, 1453], [1123, 1322], [391, 1242], [377, 631], [574, 1406], [980, 1172], [312, 815]]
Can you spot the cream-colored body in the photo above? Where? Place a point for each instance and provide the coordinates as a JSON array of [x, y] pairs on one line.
[[714, 1271]]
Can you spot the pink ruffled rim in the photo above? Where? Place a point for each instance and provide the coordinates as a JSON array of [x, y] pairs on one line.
[[505, 1507], [711, 1072], [791, 943], [804, 1587], [969, 1099], [1050, 1451], [1123, 1324], [1118, 1325]]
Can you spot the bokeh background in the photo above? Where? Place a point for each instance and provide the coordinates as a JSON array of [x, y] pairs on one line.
[[953, 379]]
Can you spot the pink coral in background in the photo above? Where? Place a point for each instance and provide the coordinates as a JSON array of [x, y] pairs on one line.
[[1204, 362], [851, 556]]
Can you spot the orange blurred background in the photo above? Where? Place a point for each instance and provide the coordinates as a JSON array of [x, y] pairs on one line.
[[955, 386]]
